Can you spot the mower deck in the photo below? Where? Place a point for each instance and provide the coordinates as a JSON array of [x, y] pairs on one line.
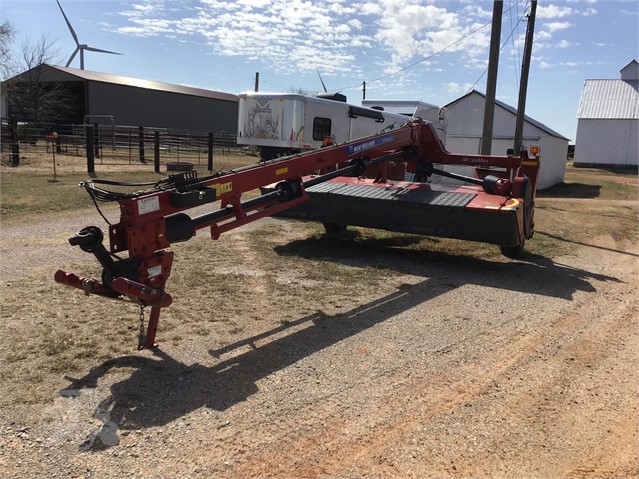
[[462, 212]]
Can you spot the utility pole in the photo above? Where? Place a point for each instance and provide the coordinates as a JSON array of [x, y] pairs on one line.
[[364, 90], [257, 81], [523, 85], [491, 81]]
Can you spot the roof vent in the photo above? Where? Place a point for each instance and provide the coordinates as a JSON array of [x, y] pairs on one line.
[[332, 96]]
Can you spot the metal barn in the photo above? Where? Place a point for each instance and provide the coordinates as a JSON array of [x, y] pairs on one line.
[[608, 117], [134, 102], [464, 132]]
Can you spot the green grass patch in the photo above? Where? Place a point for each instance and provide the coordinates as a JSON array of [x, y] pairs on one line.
[[31, 190], [31, 193]]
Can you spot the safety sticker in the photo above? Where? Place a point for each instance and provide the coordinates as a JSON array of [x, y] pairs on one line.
[[148, 205], [155, 271], [222, 188]]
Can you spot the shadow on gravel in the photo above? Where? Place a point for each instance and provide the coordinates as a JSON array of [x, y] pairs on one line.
[[162, 389]]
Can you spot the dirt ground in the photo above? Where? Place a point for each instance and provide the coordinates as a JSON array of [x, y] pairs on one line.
[[287, 355]]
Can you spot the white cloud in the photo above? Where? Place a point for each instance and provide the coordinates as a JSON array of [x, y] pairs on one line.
[[553, 11], [477, 11], [409, 29], [453, 87], [370, 8], [556, 26], [294, 36], [356, 24]]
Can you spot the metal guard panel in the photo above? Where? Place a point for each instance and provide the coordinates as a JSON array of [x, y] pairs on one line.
[[416, 210], [403, 195]]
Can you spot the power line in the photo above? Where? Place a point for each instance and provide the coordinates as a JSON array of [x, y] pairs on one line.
[[273, 84], [432, 55], [500, 49], [517, 60]]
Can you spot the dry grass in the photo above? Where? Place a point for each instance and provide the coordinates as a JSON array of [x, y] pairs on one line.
[[34, 187], [223, 288]]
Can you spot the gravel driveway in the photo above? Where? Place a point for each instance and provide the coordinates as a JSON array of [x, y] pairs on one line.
[[445, 367]]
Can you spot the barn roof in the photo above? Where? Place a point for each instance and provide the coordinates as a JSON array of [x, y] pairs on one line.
[[609, 99], [512, 110], [64, 73]]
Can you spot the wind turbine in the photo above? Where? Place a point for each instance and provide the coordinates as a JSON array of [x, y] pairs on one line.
[[320, 77], [80, 47]]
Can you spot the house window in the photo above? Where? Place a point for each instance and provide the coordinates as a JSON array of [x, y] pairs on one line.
[[321, 128]]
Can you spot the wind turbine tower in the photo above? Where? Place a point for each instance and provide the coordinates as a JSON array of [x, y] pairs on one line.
[[80, 47]]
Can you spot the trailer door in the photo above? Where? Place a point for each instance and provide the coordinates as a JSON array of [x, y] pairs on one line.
[[364, 122]]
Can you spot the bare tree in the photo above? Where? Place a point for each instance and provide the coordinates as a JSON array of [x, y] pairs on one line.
[[38, 52], [30, 97], [301, 91], [7, 34]]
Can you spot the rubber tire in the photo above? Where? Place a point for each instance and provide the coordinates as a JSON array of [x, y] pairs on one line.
[[513, 252], [334, 228]]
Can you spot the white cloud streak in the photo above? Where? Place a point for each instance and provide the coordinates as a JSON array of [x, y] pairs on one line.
[[328, 34]]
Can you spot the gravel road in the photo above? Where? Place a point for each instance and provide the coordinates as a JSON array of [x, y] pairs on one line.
[[452, 367]]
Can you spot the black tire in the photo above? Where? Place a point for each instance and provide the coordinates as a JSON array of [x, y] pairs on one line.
[[334, 228], [513, 252]]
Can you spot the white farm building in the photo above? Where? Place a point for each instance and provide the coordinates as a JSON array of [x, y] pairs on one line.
[[464, 132], [608, 116]]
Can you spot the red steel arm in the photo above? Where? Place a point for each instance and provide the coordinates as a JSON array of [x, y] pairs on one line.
[[151, 222]]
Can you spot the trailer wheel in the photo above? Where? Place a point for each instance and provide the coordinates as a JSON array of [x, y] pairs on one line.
[[333, 228], [513, 252]]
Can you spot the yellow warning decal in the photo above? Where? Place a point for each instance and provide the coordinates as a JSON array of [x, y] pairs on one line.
[[515, 203], [512, 206], [281, 171], [222, 188], [530, 163]]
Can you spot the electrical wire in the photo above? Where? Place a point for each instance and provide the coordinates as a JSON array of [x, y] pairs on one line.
[[518, 60], [500, 49], [430, 56]]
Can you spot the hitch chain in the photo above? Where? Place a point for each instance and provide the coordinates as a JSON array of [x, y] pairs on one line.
[[141, 335]]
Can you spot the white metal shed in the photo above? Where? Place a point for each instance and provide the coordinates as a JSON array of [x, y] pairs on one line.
[[464, 132], [608, 117]]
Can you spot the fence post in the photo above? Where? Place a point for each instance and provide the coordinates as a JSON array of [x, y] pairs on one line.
[[96, 141], [15, 146], [156, 150], [89, 149], [210, 165], [141, 143]]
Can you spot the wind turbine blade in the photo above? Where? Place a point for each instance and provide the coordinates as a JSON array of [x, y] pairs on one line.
[[91, 49], [75, 37], [320, 77], [73, 56]]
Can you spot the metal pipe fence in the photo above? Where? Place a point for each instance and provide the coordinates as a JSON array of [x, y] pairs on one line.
[[113, 144]]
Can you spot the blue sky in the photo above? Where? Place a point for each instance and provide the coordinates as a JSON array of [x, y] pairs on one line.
[[220, 45]]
